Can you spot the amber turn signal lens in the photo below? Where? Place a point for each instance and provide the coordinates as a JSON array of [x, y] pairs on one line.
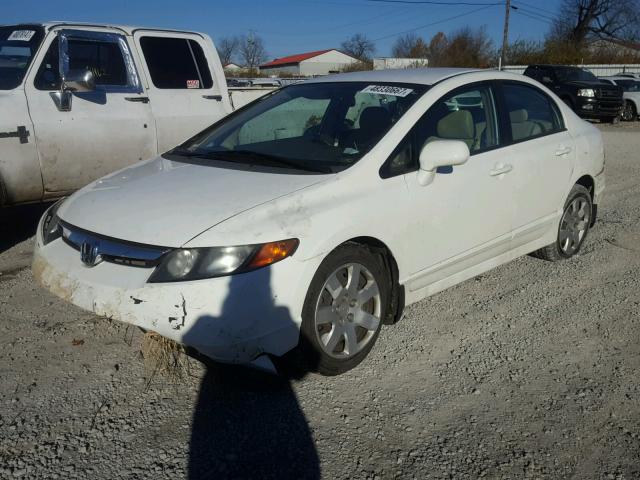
[[273, 252]]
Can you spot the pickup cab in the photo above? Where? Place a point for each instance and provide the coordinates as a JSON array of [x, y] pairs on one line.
[[587, 96], [78, 101]]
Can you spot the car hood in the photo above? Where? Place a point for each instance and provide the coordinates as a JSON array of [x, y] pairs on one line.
[[167, 203]]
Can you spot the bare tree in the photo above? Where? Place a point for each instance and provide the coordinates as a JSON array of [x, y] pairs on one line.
[[410, 46], [438, 50], [359, 46], [252, 51], [227, 48], [467, 48], [580, 20]]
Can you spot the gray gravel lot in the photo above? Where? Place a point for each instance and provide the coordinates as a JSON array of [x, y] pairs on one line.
[[529, 371]]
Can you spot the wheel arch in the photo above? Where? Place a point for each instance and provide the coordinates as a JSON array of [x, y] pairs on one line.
[[588, 182], [397, 290]]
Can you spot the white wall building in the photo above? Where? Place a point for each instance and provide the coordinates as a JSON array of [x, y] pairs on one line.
[[321, 62], [232, 67], [384, 63]]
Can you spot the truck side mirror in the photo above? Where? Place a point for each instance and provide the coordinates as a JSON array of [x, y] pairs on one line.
[[70, 80], [79, 81]]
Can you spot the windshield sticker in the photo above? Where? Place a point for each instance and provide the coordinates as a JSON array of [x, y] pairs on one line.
[[387, 90], [193, 83], [22, 35]]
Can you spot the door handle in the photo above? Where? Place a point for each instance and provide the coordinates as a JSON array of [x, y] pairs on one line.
[[563, 151], [500, 170], [213, 97], [137, 99]]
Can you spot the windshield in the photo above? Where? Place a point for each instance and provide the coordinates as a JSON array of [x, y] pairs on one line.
[[629, 85], [569, 74], [321, 127], [18, 45]]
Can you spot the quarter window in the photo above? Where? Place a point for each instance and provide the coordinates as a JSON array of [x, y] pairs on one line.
[[531, 112], [176, 63]]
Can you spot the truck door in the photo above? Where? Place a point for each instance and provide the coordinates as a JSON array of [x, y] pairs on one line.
[[105, 129], [187, 87]]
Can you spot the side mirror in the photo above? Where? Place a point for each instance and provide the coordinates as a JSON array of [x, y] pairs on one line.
[[440, 153], [79, 81]]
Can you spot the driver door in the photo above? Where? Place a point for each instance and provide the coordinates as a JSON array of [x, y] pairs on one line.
[[106, 129], [463, 218]]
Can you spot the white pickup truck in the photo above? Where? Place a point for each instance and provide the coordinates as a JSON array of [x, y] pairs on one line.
[[79, 101]]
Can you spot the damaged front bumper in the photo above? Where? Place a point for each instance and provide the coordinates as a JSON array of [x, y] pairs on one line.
[[234, 319]]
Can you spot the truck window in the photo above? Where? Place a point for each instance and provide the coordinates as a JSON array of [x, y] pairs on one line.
[[104, 59], [17, 47], [176, 63]]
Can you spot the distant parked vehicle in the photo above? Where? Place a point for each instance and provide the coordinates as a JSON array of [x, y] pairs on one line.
[[631, 95], [628, 75], [307, 222], [265, 82], [581, 90]]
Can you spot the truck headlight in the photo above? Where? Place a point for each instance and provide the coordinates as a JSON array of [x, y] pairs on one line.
[[185, 264], [587, 92], [51, 228]]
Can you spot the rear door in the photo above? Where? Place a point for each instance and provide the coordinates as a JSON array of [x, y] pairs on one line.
[[185, 85], [542, 153], [105, 129]]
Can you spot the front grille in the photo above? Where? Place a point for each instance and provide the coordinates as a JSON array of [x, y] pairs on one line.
[[111, 249], [606, 93]]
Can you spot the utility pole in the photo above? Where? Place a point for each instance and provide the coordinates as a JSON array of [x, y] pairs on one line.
[[505, 36]]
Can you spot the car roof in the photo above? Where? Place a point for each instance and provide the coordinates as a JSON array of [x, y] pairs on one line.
[[618, 77], [424, 76], [126, 29]]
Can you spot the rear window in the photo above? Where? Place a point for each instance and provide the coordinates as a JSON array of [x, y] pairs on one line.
[[176, 63]]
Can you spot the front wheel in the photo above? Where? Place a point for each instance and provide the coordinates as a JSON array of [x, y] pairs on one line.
[[346, 302], [573, 228], [629, 113]]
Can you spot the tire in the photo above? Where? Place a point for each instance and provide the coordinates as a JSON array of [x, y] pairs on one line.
[[629, 113], [612, 120], [573, 228], [338, 329]]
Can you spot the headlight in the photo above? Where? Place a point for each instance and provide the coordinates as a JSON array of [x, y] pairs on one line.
[[198, 263], [587, 92], [51, 228]]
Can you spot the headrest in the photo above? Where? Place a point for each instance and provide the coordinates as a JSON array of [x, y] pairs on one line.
[[457, 125], [376, 119], [519, 116]]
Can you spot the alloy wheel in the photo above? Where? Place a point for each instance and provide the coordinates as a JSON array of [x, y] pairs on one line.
[[574, 225], [348, 311]]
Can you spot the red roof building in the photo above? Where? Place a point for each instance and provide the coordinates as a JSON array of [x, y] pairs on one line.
[[320, 62]]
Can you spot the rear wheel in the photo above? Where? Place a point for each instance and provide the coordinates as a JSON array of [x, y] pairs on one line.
[[629, 113], [573, 228], [347, 300]]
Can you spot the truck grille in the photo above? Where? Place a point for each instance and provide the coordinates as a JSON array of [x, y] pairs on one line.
[[606, 93]]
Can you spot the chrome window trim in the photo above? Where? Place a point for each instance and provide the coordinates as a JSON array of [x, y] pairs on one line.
[[133, 79]]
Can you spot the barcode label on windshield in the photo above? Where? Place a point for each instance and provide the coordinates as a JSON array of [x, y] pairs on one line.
[[388, 90], [21, 35]]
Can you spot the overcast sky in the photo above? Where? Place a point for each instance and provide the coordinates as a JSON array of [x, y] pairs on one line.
[[289, 26]]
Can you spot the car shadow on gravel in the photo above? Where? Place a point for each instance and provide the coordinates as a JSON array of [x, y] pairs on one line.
[[246, 423], [19, 223]]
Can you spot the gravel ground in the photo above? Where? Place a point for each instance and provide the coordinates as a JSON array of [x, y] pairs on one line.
[[528, 371]]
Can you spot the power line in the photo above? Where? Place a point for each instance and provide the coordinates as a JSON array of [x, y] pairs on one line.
[[444, 20], [435, 2]]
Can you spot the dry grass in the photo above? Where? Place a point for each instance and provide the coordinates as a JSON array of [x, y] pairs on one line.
[[165, 357]]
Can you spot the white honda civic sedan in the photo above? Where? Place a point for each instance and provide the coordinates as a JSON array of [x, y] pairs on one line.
[[311, 217]]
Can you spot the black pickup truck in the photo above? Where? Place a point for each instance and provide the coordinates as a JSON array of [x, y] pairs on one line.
[[581, 90]]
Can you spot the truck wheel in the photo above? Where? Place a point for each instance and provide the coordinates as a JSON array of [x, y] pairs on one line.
[[343, 312], [629, 113], [573, 228]]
